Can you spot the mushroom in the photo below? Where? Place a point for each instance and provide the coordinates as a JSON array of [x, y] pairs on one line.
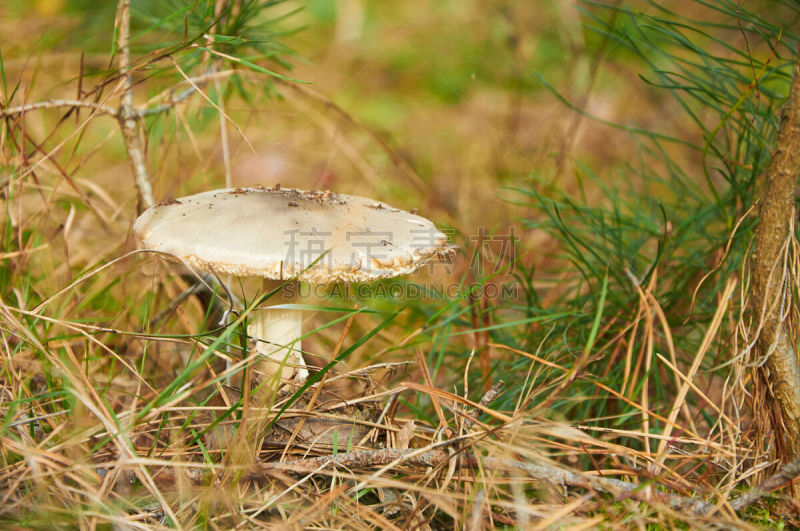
[[285, 236]]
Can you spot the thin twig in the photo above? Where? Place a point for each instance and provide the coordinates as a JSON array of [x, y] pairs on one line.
[[175, 302], [128, 118], [487, 399], [158, 109], [52, 104], [211, 74], [223, 137], [140, 111]]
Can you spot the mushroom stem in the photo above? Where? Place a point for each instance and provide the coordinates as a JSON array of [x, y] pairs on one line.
[[277, 333]]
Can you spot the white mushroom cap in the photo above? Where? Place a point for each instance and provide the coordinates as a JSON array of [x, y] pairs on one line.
[[279, 233]]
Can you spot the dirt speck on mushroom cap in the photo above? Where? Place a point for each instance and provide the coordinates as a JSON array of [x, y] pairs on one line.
[[318, 236]]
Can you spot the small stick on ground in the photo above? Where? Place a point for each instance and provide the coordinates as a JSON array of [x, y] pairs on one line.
[[439, 456], [543, 472], [433, 458], [786, 473]]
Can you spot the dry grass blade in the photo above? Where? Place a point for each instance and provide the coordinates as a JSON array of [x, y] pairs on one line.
[[712, 331]]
